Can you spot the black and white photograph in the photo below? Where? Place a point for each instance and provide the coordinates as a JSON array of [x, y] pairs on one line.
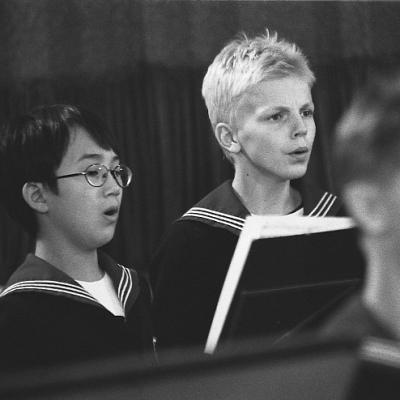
[[200, 199]]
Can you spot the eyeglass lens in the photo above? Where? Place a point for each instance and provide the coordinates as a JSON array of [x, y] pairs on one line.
[[97, 175], [123, 175]]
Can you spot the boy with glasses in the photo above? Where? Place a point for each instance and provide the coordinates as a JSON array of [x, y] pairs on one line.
[[64, 184]]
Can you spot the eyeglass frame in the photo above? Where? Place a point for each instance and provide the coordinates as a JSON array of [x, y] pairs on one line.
[[109, 170]]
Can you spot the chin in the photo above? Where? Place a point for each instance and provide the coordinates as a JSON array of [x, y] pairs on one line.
[[291, 177], [104, 239], [296, 173]]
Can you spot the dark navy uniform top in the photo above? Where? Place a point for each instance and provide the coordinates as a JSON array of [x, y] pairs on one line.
[[189, 267], [47, 317]]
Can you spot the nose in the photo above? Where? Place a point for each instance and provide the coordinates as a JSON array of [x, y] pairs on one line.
[[111, 186], [299, 127]]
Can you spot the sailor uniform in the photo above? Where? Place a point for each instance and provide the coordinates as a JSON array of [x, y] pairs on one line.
[[189, 268], [46, 316]]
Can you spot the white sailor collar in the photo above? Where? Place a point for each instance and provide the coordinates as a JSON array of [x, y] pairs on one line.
[[37, 275], [222, 208]]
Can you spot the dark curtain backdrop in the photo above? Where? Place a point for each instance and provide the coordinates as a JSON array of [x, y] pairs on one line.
[[140, 65]]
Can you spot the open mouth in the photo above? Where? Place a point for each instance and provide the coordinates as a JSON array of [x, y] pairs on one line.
[[299, 151], [112, 211]]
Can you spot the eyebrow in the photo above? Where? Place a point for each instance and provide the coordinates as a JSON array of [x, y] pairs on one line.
[[308, 104], [284, 108], [95, 157]]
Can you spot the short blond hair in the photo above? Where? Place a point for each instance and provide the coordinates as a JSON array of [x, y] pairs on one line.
[[245, 62]]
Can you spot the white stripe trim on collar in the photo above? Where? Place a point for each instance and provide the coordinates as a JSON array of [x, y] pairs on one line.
[[321, 209], [319, 203], [326, 199], [216, 216], [328, 207], [125, 285], [218, 213], [214, 219], [122, 284], [50, 286], [129, 287]]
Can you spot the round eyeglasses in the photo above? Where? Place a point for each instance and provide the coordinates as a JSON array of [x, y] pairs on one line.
[[96, 175]]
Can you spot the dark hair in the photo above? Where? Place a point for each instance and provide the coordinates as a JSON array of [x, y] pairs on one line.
[[367, 140], [32, 147]]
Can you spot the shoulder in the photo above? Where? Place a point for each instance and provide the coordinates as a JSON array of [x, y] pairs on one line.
[[15, 303], [30, 311], [188, 230], [353, 320], [200, 227], [192, 239], [221, 208]]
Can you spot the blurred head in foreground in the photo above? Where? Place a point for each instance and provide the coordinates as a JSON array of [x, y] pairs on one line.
[[367, 159]]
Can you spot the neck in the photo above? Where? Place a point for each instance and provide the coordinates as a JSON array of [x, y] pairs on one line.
[[77, 263], [381, 292], [262, 196]]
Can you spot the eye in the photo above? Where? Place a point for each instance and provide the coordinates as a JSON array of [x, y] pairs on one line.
[[93, 172], [96, 171], [307, 113], [275, 117]]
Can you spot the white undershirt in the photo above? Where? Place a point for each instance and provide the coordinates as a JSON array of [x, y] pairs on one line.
[[298, 212], [104, 292]]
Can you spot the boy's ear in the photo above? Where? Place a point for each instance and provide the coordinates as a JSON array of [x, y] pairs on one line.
[[33, 194], [227, 138], [364, 202]]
